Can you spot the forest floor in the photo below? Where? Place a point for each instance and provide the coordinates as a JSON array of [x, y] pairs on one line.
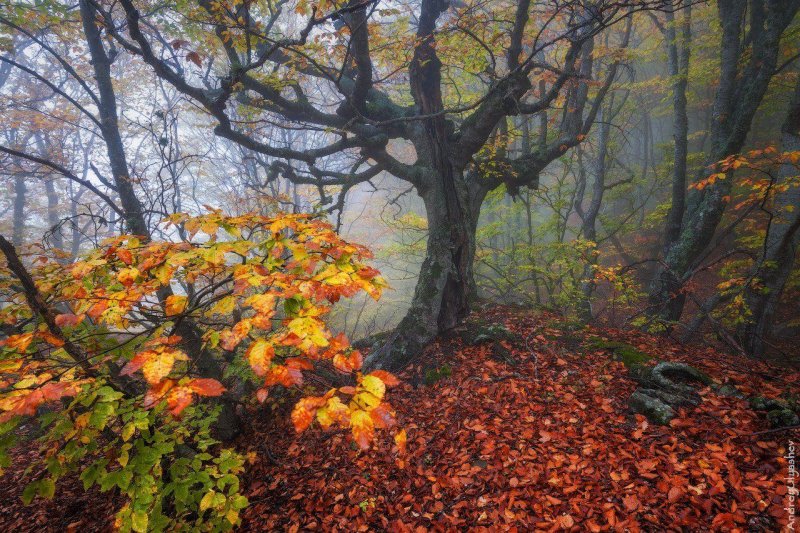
[[543, 442]]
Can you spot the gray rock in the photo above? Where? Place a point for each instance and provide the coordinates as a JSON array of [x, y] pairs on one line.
[[676, 377], [729, 391], [656, 410]]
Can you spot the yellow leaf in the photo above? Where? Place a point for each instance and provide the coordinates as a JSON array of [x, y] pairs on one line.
[[127, 276], [207, 500], [158, 367], [365, 400], [362, 427], [127, 431], [259, 355], [374, 385], [309, 328], [224, 306], [175, 304]]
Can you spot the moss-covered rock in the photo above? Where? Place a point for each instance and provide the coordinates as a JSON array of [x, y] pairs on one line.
[[665, 387], [782, 418], [478, 332], [759, 403], [728, 390], [373, 341], [655, 409], [679, 377], [780, 413]]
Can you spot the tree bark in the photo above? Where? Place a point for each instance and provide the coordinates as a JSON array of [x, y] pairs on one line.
[[446, 284], [18, 232], [678, 54], [589, 216]]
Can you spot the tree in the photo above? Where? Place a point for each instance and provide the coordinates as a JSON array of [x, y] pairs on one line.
[[277, 275], [358, 66], [748, 60], [766, 282]]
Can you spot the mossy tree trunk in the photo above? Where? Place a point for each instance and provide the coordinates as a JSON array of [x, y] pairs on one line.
[[446, 283]]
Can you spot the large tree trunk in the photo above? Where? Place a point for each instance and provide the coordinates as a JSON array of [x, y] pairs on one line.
[[763, 294], [446, 284]]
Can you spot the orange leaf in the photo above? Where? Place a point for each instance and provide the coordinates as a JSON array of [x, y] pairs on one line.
[[127, 276], [382, 417], [400, 440], [363, 428], [175, 305], [157, 392], [348, 362], [125, 256], [389, 379], [51, 339], [97, 309], [206, 386], [631, 502], [68, 319], [178, 399], [304, 410], [259, 355], [19, 342], [136, 363]]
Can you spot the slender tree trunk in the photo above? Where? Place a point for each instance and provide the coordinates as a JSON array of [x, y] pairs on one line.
[[18, 230], [115, 149], [207, 365], [53, 217], [780, 245], [589, 226], [678, 54]]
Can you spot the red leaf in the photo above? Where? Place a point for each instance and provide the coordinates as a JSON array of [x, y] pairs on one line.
[[194, 57]]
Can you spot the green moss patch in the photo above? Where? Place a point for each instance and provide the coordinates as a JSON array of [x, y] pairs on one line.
[[629, 355]]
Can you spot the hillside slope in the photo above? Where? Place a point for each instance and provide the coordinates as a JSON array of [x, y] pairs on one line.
[[546, 443], [531, 434]]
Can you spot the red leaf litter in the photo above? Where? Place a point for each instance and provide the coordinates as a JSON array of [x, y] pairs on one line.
[[547, 444]]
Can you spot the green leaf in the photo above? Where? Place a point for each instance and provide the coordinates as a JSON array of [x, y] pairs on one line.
[[30, 492]]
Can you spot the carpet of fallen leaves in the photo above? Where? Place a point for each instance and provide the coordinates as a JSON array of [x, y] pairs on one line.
[[545, 444]]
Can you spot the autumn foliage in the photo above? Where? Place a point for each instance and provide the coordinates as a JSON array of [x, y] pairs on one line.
[[255, 288]]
